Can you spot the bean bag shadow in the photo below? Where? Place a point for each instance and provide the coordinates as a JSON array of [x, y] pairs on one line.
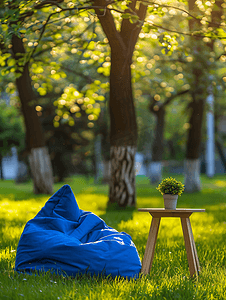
[[67, 240]]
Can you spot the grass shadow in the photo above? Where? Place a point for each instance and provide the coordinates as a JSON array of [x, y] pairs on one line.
[[115, 214]]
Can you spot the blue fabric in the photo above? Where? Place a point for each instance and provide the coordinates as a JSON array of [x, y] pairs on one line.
[[66, 240]]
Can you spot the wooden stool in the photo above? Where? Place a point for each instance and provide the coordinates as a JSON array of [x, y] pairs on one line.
[[183, 214]]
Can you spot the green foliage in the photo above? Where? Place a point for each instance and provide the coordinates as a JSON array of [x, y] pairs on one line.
[[69, 52], [69, 141], [170, 186], [74, 102], [62, 56], [11, 129]]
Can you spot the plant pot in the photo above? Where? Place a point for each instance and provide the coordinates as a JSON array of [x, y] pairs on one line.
[[170, 201]]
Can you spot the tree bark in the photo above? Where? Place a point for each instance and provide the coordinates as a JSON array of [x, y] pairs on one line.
[[123, 126], [210, 124], [220, 149], [192, 169], [123, 134], [1, 168], [40, 164], [106, 171], [158, 147], [192, 175], [98, 159], [122, 186], [195, 129], [39, 158]]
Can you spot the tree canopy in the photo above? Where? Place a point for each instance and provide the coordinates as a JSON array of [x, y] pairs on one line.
[[73, 47]]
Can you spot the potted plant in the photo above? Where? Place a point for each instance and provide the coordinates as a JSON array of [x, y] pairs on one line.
[[170, 188]]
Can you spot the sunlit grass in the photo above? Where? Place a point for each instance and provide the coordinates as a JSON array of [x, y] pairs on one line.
[[169, 278]]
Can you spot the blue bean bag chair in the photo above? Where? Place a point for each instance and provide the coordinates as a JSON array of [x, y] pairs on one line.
[[66, 240]]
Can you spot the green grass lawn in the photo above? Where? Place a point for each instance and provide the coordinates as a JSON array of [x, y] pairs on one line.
[[169, 277]]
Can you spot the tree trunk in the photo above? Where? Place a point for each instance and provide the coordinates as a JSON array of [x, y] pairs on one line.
[[220, 149], [123, 128], [195, 129], [34, 135], [192, 169], [199, 94], [158, 147], [216, 14], [98, 159], [122, 186], [210, 140], [192, 175], [159, 110], [155, 172], [40, 164], [1, 168], [123, 133], [106, 171]]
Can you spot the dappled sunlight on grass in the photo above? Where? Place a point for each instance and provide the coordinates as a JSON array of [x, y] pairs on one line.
[[215, 185], [20, 210], [92, 202], [150, 202], [11, 233], [169, 278], [220, 183]]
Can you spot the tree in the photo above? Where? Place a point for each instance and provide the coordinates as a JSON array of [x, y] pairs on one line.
[[28, 61], [159, 110], [38, 154], [165, 83], [123, 127], [216, 15], [219, 114], [69, 143], [121, 23], [201, 82], [197, 73]]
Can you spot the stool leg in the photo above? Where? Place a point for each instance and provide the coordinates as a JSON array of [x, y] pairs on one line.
[[189, 245], [194, 247], [150, 247]]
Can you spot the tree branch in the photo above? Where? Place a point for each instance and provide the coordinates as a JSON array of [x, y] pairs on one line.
[[109, 27], [167, 101], [62, 41], [175, 96], [80, 74], [187, 33], [182, 10]]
